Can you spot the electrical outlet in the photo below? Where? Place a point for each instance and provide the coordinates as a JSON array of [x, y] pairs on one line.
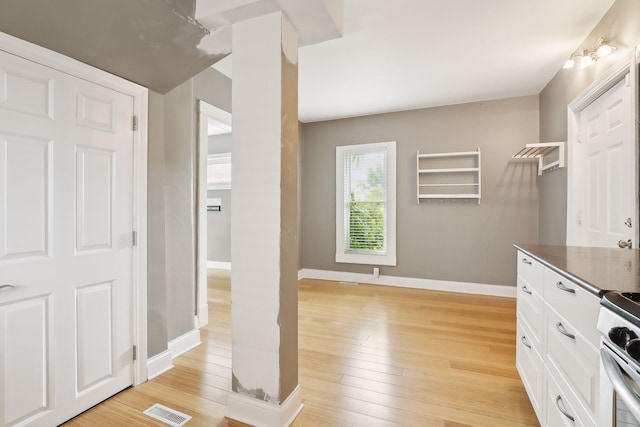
[[376, 272]]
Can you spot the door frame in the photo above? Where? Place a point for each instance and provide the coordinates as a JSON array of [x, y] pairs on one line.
[[140, 94], [205, 111], [628, 64]]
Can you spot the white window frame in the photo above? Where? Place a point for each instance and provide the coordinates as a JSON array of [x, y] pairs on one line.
[[389, 257], [220, 158]]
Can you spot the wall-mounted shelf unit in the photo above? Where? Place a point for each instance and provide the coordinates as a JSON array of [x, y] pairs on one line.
[[537, 153], [448, 175]]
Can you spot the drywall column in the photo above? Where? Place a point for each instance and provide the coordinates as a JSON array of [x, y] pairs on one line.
[[264, 295]]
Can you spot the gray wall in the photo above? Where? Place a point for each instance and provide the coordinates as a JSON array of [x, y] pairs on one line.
[[620, 25], [171, 243], [171, 211], [219, 223], [156, 276], [446, 240], [179, 190]]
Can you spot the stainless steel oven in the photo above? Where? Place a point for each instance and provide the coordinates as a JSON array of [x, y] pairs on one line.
[[619, 327]]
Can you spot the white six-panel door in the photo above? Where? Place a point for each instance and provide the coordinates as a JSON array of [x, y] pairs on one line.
[[607, 147], [66, 215]]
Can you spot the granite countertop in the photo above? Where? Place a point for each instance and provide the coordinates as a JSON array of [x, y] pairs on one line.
[[598, 270]]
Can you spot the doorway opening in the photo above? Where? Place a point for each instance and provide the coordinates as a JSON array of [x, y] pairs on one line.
[[214, 199]]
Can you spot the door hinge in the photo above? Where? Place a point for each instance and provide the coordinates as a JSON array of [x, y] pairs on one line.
[[134, 123], [134, 238], [135, 352]]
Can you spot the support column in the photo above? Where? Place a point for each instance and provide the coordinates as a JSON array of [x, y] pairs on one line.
[[264, 249]]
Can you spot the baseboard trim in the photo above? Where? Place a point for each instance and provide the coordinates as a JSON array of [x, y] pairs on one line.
[[202, 318], [159, 364], [184, 343], [219, 265], [410, 282], [258, 413]]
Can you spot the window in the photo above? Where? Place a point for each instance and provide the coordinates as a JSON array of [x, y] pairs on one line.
[[219, 171], [366, 203]]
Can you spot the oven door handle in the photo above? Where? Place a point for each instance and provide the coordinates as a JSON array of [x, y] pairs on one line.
[[623, 390]]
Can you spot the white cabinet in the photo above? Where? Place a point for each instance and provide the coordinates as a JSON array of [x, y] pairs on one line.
[[562, 408], [556, 351], [530, 367], [449, 175]]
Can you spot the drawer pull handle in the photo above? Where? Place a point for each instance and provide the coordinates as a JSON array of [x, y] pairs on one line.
[[526, 261], [563, 331], [6, 286], [526, 290], [562, 287], [562, 410], [525, 342]]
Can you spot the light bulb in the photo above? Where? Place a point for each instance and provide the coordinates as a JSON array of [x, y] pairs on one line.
[[586, 61], [604, 50], [569, 63]]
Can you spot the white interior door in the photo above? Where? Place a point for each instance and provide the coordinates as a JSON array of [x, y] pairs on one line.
[[607, 159], [66, 217]]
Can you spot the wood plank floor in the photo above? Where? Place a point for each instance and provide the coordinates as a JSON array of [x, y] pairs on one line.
[[368, 356]]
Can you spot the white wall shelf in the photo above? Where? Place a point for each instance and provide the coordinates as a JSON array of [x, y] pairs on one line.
[[454, 175], [537, 152]]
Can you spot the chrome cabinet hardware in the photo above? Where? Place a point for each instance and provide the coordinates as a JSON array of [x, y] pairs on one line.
[[628, 223], [625, 244], [526, 290], [563, 287], [562, 410], [525, 342], [563, 331], [526, 261], [7, 286]]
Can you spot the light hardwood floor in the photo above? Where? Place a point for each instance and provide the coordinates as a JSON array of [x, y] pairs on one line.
[[368, 356]]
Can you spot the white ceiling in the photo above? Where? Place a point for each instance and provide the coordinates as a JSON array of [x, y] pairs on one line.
[[405, 54]]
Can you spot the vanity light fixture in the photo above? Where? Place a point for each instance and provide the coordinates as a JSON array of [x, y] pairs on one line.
[[587, 57], [586, 60], [570, 63]]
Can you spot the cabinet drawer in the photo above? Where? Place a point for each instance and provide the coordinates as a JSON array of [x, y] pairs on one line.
[[530, 309], [530, 271], [530, 368], [574, 358], [562, 404], [577, 305]]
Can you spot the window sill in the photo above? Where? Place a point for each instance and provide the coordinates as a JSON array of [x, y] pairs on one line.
[[389, 260]]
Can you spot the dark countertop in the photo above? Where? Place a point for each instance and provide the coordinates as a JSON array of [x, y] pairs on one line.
[[598, 270]]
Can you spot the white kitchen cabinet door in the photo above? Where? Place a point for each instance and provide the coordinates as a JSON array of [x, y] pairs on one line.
[[66, 212]]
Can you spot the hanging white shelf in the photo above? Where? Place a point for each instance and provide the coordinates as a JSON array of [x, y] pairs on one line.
[[537, 152], [459, 180]]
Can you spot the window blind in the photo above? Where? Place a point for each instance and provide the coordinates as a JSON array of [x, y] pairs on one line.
[[365, 201]]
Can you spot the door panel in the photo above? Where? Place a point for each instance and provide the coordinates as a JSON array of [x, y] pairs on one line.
[[94, 185], [608, 156], [615, 187], [25, 355], [27, 93], [96, 113], [593, 193], [25, 191], [94, 342]]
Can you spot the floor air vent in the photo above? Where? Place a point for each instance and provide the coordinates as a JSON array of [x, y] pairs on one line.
[[167, 415]]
